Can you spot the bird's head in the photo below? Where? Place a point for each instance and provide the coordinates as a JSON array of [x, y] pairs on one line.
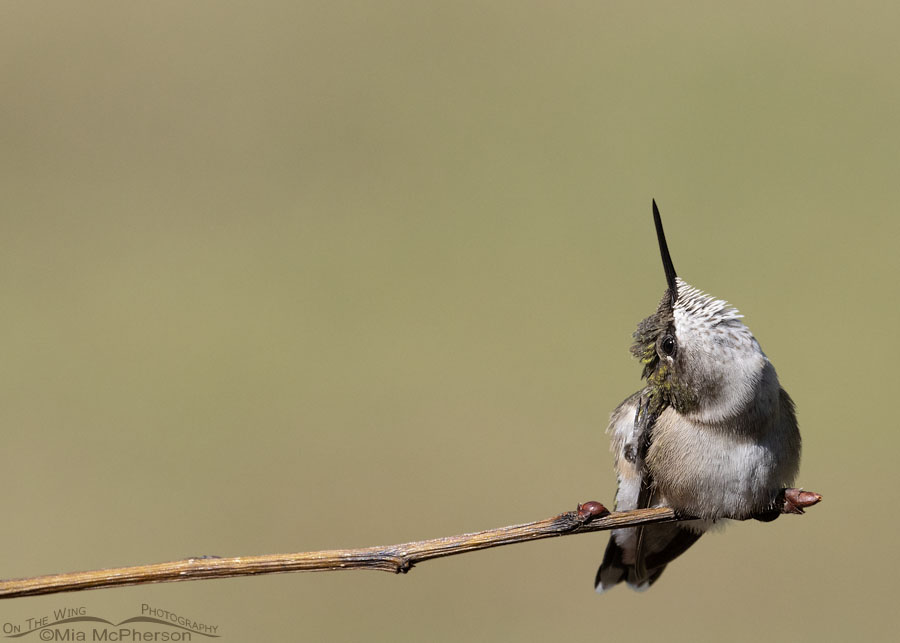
[[698, 357]]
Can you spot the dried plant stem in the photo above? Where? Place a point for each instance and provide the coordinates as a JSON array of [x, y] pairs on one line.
[[589, 517], [390, 558]]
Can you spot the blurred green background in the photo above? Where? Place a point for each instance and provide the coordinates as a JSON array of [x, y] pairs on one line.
[[291, 276]]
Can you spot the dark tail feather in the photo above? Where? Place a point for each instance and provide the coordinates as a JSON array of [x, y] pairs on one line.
[[612, 570], [665, 544]]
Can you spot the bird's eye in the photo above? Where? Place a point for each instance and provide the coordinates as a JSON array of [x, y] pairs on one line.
[[667, 345]]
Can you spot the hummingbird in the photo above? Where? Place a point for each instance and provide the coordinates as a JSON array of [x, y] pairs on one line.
[[712, 434]]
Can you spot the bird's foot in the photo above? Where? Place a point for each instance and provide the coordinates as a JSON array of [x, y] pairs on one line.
[[789, 501]]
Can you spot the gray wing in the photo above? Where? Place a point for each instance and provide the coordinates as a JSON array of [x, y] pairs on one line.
[[638, 555], [628, 441]]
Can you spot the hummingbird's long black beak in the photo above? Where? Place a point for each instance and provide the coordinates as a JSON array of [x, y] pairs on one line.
[[664, 251]]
